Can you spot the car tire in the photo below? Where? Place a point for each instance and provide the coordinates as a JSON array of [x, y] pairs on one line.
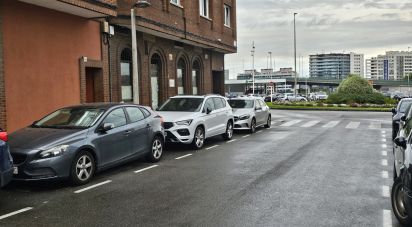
[[252, 126], [156, 150], [83, 168], [398, 204], [199, 138], [228, 135], [268, 122]]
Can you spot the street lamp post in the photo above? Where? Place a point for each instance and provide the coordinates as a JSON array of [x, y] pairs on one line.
[[138, 4], [253, 66], [294, 38]]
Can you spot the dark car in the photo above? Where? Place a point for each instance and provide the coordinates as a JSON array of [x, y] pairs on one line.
[[6, 162], [398, 112], [75, 142]]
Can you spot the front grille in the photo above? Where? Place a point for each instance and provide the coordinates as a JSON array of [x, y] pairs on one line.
[[168, 125], [18, 158], [183, 132]]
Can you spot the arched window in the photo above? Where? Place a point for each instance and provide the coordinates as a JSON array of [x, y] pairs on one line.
[[155, 75], [196, 77], [181, 72], [126, 75]]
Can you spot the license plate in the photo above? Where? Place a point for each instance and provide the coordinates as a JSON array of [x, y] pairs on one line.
[[15, 170]]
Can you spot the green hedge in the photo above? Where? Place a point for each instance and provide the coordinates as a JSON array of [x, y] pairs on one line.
[[343, 98]]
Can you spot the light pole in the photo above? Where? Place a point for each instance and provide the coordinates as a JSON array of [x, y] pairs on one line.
[[138, 4], [294, 38], [253, 66]]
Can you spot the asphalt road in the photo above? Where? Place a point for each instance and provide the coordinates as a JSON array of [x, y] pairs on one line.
[[309, 169]]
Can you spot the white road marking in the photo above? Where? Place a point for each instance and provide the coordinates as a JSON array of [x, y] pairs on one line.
[[387, 218], [384, 140], [147, 168], [383, 131], [384, 153], [384, 146], [353, 125], [375, 125], [184, 156], [212, 147], [331, 124], [93, 186], [259, 131], [231, 141], [290, 123], [245, 136], [384, 162], [15, 212], [383, 135], [310, 124], [385, 174], [385, 191]]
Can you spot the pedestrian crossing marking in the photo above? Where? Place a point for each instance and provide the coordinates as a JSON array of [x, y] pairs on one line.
[[310, 124], [331, 124], [375, 125], [290, 123], [353, 125]]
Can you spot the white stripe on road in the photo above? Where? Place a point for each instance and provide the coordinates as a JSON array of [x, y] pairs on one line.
[[383, 135], [290, 123], [383, 132], [93, 186], [387, 218], [384, 146], [245, 136], [147, 168], [385, 191], [384, 162], [375, 125], [184, 156], [212, 147], [331, 124], [353, 125], [385, 174], [384, 140], [384, 153], [259, 131], [310, 124], [231, 141], [15, 212]]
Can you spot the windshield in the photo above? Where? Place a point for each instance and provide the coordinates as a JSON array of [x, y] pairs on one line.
[[404, 106], [182, 105], [240, 104], [70, 118]]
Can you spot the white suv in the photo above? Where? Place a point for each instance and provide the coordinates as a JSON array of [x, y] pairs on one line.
[[192, 119]]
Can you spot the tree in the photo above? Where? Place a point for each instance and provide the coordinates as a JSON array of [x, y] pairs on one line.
[[355, 84]]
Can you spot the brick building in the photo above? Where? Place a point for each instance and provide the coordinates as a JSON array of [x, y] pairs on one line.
[[55, 53], [181, 46]]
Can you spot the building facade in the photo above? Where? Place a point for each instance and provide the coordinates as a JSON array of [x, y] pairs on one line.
[[267, 74], [394, 65], [336, 65]]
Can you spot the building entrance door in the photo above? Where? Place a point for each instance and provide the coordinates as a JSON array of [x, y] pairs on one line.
[[94, 82], [155, 75], [218, 82]]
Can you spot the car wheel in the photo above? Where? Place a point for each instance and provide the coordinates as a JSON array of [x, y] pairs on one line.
[[229, 131], [398, 203], [199, 138], [156, 150], [253, 126], [268, 122], [83, 168]]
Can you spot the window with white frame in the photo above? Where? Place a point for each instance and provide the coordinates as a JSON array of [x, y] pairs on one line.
[[176, 2], [204, 8], [227, 15]]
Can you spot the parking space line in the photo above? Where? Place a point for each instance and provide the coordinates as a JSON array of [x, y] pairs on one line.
[[385, 174], [15, 212], [384, 153], [245, 136], [353, 125], [383, 136], [384, 162], [184, 156], [231, 141], [385, 191], [212, 147], [384, 146], [259, 131], [310, 124], [383, 131], [147, 168], [384, 140], [93, 186], [387, 218], [331, 124]]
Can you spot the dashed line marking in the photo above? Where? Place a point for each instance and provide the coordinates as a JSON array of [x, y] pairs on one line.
[[383, 132], [384, 140], [15, 212], [245, 136], [93, 186], [385, 191], [259, 131], [375, 125], [184, 156], [214, 146], [387, 218], [385, 174], [331, 124], [384, 146], [353, 125], [147, 168], [290, 123], [384, 162], [384, 153], [310, 124], [231, 141]]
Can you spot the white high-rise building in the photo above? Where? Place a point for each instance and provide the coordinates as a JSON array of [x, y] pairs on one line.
[[394, 65], [357, 65]]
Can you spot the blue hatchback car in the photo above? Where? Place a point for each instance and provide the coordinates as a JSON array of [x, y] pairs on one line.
[[6, 162]]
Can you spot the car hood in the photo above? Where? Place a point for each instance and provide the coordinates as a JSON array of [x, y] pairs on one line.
[[243, 111], [43, 138], [171, 116]]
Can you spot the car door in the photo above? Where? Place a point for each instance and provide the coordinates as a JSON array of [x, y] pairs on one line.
[[114, 144], [265, 111], [140, 129], [209, 118], [220, 115], [258, 112]]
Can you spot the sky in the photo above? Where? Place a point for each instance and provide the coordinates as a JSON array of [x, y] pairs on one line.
[[371, 27]]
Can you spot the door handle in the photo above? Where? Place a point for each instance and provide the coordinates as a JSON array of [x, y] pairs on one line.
[[148, 126], [128, 132]]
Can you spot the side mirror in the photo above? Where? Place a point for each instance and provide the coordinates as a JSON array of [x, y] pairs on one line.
[[258, 108], [208, 110], [403, 118], [394, 110], [106, 127], [401, 142]]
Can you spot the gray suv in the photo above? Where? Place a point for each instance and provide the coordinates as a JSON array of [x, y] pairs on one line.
[[191, 119]]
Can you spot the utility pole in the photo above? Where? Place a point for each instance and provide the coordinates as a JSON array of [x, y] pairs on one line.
[[270, 58], [294, 38], [253, 66]]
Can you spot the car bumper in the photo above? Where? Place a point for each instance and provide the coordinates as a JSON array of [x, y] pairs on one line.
[[179, 135], [5, 177], [242, 124]]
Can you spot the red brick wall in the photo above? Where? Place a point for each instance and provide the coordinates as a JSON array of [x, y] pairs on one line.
[[2, 92]]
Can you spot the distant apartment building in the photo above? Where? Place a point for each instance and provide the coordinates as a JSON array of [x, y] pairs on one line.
[[336, 65], [394, 65]]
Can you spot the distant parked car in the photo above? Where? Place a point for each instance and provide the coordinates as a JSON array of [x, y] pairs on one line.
[[398, 95], [75, 142], [250, 113], [6, 161], [191, 119], [321, 96], [291, 97], [398, 113]]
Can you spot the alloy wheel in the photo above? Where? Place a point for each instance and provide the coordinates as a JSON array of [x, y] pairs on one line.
[[84, 168], [229, 130], [157, 149], [199, 138], [253, 126], [399, 202]]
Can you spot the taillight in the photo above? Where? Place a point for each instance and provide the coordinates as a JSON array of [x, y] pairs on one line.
[[3, 136]]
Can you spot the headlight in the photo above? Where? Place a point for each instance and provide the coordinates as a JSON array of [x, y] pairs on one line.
[[244, 117], [185, 122], [55, 151]]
